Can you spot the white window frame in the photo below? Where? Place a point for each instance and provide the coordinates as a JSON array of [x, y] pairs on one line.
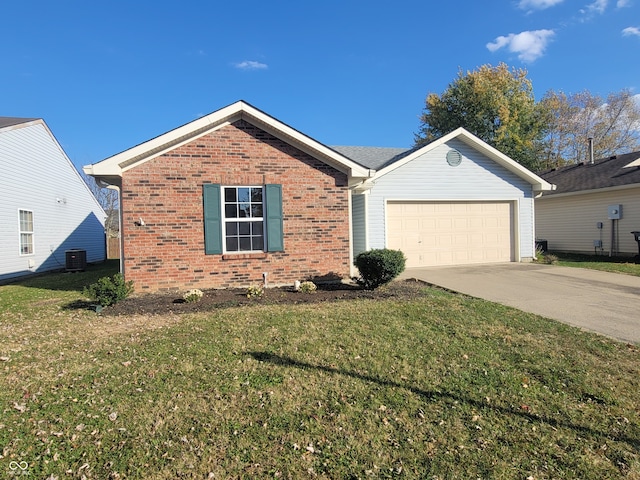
[[25, 233], [230, 220]]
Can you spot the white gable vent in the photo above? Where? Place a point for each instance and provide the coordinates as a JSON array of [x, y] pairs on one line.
[[453, 157]]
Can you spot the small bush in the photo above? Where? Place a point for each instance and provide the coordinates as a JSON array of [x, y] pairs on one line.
[[109, 290], [193, 295], [545, 257], [549, 259], [379, 266], [254, 291], [308, 287]]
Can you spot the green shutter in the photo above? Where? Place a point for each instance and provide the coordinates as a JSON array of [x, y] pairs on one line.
[[212, 219], [273, 204]]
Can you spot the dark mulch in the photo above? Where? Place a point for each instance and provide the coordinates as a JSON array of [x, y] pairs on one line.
[[162, 303]]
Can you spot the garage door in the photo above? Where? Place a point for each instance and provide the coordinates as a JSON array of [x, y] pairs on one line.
[[451, 233]]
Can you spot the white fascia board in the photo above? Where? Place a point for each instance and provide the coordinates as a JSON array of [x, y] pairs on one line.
[[114, 166], [591, 191], [538, 183]]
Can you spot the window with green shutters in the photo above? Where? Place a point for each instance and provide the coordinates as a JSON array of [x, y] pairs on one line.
[[243, 219]]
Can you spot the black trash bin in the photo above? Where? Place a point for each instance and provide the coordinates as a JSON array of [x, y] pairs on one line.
[[636, 236], [542, 245]]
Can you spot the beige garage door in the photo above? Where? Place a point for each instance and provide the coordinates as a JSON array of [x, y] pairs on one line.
[[451, 233]]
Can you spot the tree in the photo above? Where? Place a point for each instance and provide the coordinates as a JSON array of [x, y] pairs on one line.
[[613, 123], [494, 103], [108, 200]]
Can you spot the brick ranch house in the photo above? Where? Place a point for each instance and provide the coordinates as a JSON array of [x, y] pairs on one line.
[[229, 199], [237, 197]]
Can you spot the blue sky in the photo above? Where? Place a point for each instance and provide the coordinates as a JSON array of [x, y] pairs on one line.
[[106, 76]]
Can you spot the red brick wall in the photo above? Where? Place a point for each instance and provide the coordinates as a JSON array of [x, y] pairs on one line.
[[166, 192]]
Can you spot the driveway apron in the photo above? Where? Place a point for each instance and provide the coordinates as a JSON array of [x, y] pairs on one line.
[[607, 303]]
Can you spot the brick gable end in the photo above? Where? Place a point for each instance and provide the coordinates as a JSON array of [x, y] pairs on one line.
[[166, 192]]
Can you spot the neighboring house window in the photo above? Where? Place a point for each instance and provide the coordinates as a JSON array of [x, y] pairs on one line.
[[26, 232], [242, 219]]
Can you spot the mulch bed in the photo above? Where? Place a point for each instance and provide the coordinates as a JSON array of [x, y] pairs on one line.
[[163, 303]]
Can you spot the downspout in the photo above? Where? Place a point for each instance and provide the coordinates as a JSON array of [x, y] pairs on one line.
[[591, 160]]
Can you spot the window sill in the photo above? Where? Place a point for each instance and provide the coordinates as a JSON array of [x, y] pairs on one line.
[[245, 256]]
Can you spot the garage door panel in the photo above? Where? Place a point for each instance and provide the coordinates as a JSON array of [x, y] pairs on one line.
[[451, 233]]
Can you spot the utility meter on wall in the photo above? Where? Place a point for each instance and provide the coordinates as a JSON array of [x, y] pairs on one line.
[[615, 212]]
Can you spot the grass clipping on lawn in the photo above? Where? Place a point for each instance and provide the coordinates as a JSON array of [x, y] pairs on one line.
[[439, 386]]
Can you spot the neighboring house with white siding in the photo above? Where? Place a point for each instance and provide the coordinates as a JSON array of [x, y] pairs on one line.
[[594, 208], [45, 206], [454, 201]]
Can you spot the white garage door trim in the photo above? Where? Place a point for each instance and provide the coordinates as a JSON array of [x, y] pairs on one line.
[[453, 232]]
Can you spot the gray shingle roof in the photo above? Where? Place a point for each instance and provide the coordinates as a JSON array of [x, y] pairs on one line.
[[607, 172], [371, 157], [9, 121]]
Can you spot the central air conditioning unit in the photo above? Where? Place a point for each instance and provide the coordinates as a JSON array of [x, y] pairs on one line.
[[76, 260]]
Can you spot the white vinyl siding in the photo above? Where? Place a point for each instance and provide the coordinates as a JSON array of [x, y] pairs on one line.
[[569, 223], [37, 176], [477, 179], [358, 214]]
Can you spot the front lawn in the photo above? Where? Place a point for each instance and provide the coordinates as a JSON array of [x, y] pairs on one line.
[[605, 263], [440, 386]]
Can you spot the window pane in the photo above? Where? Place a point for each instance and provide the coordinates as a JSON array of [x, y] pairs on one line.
[[26, 221], [256, 195], [26, 243], [256, 228], [232, 244], [244, 228], [229, 194], [244, 203], [232, 228], [244, 195], [231, 211], [244, 210], [256, 210], [258, 243], [245, 243]]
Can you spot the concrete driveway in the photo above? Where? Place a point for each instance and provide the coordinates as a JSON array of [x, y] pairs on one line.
[[607, 303]]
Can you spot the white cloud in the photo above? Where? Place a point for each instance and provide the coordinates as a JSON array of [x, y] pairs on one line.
[[631, 31], [529, 45], [597, 7], [251, 65], [539, 4], [623, 3]]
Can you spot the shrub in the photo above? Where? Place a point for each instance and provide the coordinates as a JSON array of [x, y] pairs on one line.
[[379, 266], [193, 295], [545, 257], [308, 287], [109, 290], [549, 258], [254, 291]]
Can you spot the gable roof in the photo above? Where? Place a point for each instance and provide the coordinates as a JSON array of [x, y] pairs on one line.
[[11, 121], [385, 160], [371, 157], [613, 172], [110, 170]]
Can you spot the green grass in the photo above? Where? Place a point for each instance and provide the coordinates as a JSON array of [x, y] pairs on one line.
[[443, 386], [599, 262]]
